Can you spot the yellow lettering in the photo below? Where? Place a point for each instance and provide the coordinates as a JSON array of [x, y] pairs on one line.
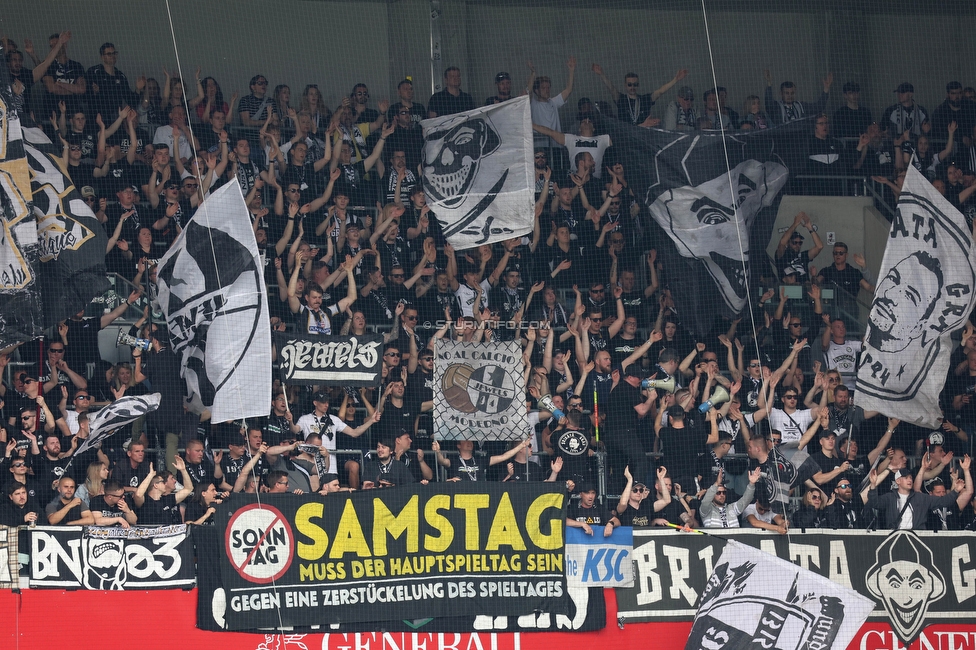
[[438, 522], [349, 537], [471, 504], [303, 522], [533, 523], [408, 521], [504, 527]]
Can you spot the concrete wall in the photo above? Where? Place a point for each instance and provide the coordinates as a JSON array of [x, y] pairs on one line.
[[337, 44]]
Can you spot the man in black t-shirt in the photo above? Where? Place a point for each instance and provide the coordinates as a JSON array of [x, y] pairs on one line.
[[452, 99], [637, 506], [788, 253], [111, 508], [67, 509], [625, 407], [468, 467], [682, 444], [19, 509], [157, 500], [589, 515], [132, 471], [381, 469]]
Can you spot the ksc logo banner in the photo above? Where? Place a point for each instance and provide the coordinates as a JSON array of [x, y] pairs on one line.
[[393, 554], [597, 561]]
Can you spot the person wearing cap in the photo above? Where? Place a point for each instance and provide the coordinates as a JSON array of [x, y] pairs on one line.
[[833, 467], [681, 444], [852, 119], [452, 99], [634, 507], [328, 426], [503, 84], [788, 108], [788, 253], [590, 515], [714, 459], [232, 463], [632, 107], [680, 115], [843, 510], [906, 114], [715, 509], [906, 509]]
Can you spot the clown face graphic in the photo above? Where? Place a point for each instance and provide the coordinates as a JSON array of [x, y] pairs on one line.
[[906, 581]]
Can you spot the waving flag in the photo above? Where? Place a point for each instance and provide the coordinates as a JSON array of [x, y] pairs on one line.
[[211, 290], [478, 173], [116, 415], [755, 599], [704, 190], [924, 295]]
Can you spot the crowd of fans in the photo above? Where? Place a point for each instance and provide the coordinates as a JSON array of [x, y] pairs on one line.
[[339, 213]]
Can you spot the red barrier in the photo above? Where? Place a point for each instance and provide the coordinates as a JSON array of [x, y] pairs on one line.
[[41, 619]]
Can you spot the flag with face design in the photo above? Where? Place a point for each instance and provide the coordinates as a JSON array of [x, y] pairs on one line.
[[704, 190], [478, 173]]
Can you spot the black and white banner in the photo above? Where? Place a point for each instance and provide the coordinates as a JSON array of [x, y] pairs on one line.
[[111, 558], [20, 299], [479, 391], [704, 191], [754, 599], [212, 292], [116, 415], [330, 360], [914, 579], [924, 295], [479, 173]]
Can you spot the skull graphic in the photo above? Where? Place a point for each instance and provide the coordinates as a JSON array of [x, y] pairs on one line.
[[105, 564], [452, 158]]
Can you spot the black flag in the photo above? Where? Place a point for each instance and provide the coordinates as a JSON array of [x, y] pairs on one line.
[[704, 191]]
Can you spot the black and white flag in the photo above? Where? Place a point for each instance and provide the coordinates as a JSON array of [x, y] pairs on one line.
[[116, 415], [704, 190], [330, 360], [924, 295], [212, 293], [479, 173], [755, 599]]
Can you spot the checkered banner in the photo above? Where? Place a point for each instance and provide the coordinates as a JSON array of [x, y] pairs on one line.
[[479, 391]]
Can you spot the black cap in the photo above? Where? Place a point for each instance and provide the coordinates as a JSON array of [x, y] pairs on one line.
[[905, 87], [321, 396], [953, 85], [586, 486], [676, 412], [354, 223], [502, 76], [685, 92], [852, 87]]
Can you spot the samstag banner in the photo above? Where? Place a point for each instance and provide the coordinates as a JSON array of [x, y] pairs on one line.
[[398, 553], [924, 295], [330, 360], [479, 391], [211, 290], [111, 557], [479, 173]]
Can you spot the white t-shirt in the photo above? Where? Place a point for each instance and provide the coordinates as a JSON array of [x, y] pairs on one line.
[[595, 146], [164, 135], [324, 426], [791, 425], [843, 358], [766, 517], [466, 296], [546, 114]]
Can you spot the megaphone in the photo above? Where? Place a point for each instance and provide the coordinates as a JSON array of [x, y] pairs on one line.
[[720, 396], [667, 385], [124, 338], [546, 402]]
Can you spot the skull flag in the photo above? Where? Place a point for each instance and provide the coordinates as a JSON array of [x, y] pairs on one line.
[[211, 290], [704, 190], [478, 173], [926, 292]]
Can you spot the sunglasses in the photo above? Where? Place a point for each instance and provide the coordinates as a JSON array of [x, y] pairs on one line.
[[754, 365], [815, 497], [82, 396], [843, 486], [789, 396], [722, 492], [392, 354], [18, 464], [639, 490], [55, 350], [633, 85]]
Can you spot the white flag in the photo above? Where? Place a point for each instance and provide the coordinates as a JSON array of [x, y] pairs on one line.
[[212, 293], [925, 293], [116, 415], [755, 599], [479, 173]]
